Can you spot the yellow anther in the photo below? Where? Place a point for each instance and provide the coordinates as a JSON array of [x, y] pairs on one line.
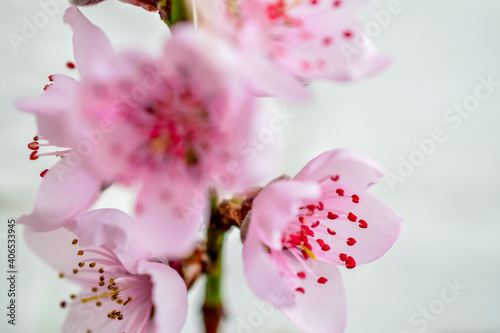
[[308, 251], [93, 298]]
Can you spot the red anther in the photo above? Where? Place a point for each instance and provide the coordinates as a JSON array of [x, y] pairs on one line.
[[301, 219], [304, 253], [46, 87], [309, 246], [51, 78], [33, 145], [355, 198], [326, 247], [33, 155], [340, 192], [304, 239], [295, 240], [314, 2], [301, 275], [327, 41], [300, 290], [343, 256], [337, 3], [63, 304], [334, 178], [35, 138], [350, 263], [304, 227], [351, 241], [322, 280], [42, 174], [331, 232], [363, 224], [310, 233], [315, 224], [70, 65], [352, 217], [348, 34], [320, 206], [310, 213], [332, 216], [320, 242]]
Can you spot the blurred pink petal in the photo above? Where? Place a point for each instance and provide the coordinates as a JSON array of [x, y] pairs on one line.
[[53, 109], [64, 193], [91, 46]]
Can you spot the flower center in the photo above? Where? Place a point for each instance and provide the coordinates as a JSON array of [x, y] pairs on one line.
[[312, 234], [178, 128], [110, 286]]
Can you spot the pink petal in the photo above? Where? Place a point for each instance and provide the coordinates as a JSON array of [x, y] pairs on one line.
[[88, 317], [354, 169], [55, 247], [276, 205], [323, 307], [91, 46], [384, 227], [262, 273], [169, 296], [112, 156], [112, 228], [262, 73], [170, 214], [101, 226], [330, 44], [58, 122], [64, 193]]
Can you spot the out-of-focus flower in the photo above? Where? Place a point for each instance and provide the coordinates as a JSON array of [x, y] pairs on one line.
[[302, 229], [308, 39], [121, 290], [178, 123]]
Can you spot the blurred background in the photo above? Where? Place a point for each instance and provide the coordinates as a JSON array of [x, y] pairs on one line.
[[442, 275]]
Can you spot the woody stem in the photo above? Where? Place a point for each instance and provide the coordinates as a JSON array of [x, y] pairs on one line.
[[213, 308]]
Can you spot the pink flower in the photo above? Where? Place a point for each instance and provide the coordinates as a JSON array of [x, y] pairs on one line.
[[121, 290], [177, 124], [301, 230], [312, 39]]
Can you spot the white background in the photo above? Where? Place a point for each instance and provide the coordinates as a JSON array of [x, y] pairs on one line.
[[449, 203]]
